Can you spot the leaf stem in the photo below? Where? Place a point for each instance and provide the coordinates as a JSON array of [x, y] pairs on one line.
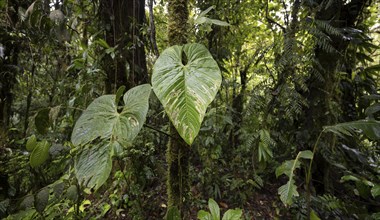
[[308, 175], [158, 130]]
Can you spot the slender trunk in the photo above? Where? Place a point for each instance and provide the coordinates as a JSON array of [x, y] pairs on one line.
[[178, 185], [8, 71], [153, 30], [28, 101]]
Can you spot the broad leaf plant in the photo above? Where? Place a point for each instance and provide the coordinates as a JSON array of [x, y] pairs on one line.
[[185, 79]]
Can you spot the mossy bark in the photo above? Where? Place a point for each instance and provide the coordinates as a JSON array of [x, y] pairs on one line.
[[177, 25], [177, 155]]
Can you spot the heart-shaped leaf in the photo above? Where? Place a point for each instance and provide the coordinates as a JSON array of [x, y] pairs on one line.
[[186, 79], [102, 119]]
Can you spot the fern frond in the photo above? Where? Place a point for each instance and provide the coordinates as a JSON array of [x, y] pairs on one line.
[[326, 46], [316, 74], [264, 148], [327, 27]]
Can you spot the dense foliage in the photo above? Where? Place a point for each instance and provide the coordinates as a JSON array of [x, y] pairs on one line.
[[188, 109]]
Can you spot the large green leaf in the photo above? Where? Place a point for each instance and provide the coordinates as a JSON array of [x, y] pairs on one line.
[[40, 154], [371, 128], [186, 79], [102, 119], [289, 190], [93, 165]]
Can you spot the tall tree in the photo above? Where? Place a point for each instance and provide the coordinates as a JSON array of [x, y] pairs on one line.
[[10, 46], [122, 21], [323, 94], [177, 152]]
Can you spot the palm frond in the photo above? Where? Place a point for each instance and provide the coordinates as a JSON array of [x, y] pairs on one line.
[[371, 128]]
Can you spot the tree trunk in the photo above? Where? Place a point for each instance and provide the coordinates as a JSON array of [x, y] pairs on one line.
[[324, 96], [178, 185], [8, 66], [122, 21]]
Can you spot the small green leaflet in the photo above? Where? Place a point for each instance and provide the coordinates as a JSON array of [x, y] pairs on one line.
[[185, 89], [31, 143], [201, 18], [40, 154]]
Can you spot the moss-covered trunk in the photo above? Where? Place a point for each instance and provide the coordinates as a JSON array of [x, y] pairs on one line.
[[178, 152]]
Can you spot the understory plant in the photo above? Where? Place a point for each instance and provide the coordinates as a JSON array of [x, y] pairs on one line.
[[185, 79], [368, 127]]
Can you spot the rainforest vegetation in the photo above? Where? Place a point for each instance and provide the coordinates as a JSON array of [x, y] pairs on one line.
[[189, 109]]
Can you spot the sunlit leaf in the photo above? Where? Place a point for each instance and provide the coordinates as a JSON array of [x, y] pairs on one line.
[[201, 20], [186, 80], [214, 209], [31, 143], [233, 214], [204, 13], [102, 119], [40, 154], [218, 22]]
